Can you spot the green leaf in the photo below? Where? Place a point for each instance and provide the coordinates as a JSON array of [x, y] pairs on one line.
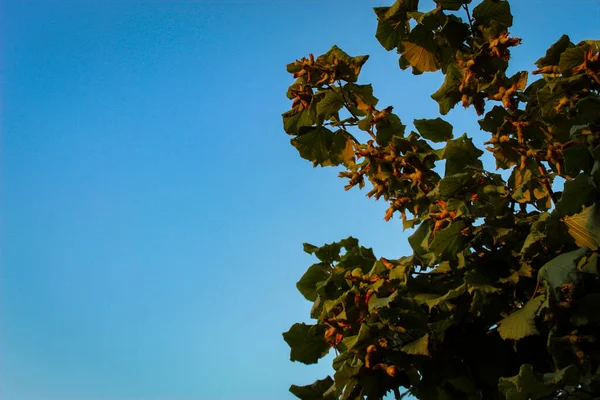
[[295, 121], [529, 385], [452, 5], [362, 96], [459, 154], [585, 227], [454, 186], [476, 281], [449, 93], [307, 343], [347, 366], [357, 257], [578, 193], [391, 26], [420, 50], [418, 347], [377, 302], [577, 158], [562, 269], [552, 56], [436, 130], [432, 300], [524, 386], [438, 329], [330, 252], [314, 391], [389, 127], [572, 57], [493, 119], [448, 242], [419, 240], [489, 11], [324, 147], [347, 68], [521, 323], [307, 285], [330, 104], [588, 110]]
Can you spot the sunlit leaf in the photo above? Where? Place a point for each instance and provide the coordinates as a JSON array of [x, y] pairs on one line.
[[418, 347], [585, 227], [521, 323]]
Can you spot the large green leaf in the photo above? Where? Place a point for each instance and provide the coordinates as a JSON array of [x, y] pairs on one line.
[[347, 68], [324, 147], [376, 302], [295, 121], [314, 391], [459, 154], [529, 385], [436, 130], [432, 300], [391, 26], [493, 119], [572, 57], [449, 94], [455, 186], [453, 5], [577, 158], [330, 252], [419, 240], [420, 50], [330, 104], [418, 347], [347, 366], [448, 242], [552, 56], [489, 11], [585, 227], [577, 193], [307, 343], [521, 323], [562, 269], [389, 127], [307, 285]]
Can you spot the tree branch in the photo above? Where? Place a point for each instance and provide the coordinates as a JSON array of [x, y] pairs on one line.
[[466, 8], [545, 180]]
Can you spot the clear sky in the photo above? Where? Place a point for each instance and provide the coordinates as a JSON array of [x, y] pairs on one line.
[[153, 210]]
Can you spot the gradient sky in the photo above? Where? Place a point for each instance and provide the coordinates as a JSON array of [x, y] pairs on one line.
[[153, 210]]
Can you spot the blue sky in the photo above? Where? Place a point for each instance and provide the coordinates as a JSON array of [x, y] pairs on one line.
[[153, 210]]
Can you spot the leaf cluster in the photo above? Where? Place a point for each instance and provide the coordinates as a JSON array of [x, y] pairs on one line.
[[501, 296]]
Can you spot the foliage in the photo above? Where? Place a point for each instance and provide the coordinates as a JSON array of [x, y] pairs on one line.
[[501, 296]]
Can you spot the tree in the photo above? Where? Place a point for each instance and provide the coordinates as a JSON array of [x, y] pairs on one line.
[[501, 296]]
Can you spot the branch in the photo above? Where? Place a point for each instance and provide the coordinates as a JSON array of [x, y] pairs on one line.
[[466, 8], [545, 180]]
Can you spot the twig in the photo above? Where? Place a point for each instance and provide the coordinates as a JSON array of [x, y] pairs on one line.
[[545, 180], [466, 8], [397, 394]]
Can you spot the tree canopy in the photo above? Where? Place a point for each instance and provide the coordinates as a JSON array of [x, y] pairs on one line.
[[500, 298]]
